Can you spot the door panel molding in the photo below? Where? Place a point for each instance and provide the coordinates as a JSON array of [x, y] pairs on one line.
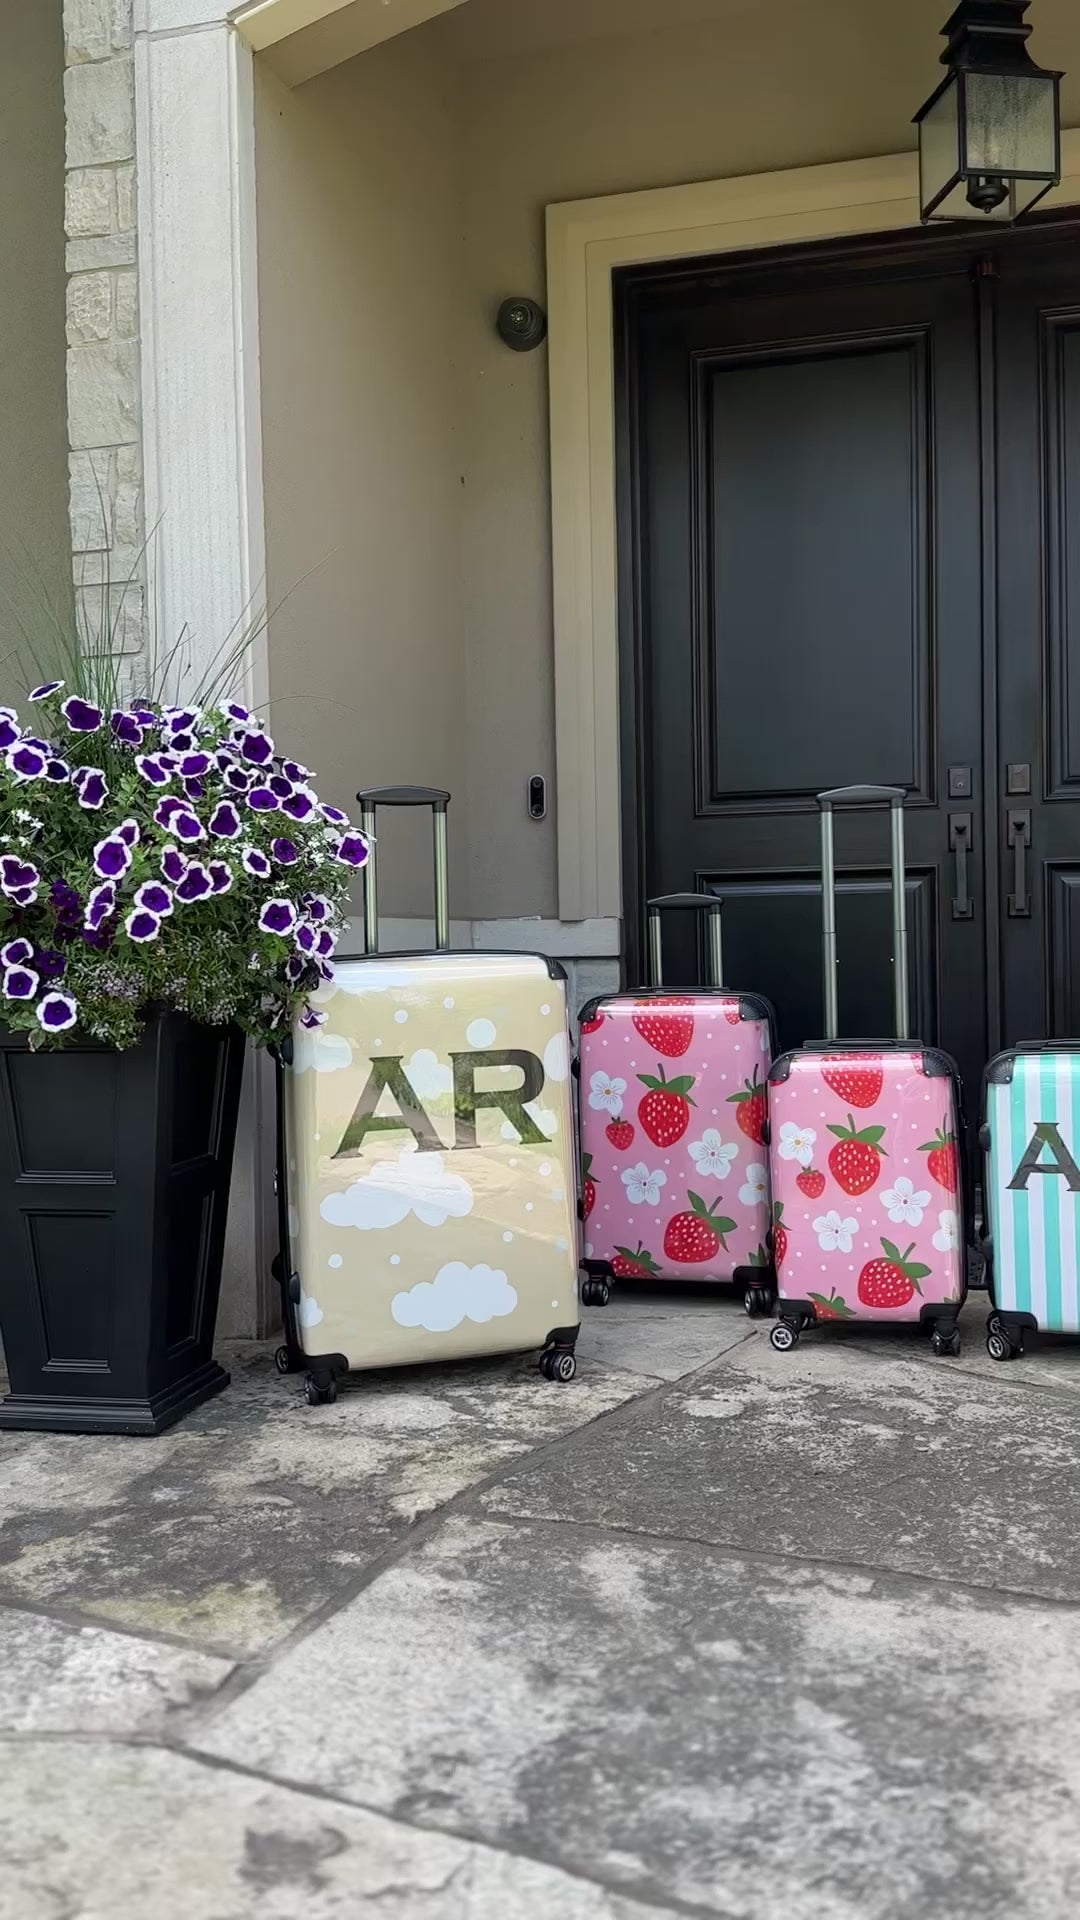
[[1059, 379], [587, 241]]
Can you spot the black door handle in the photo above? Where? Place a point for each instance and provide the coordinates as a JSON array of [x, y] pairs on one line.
[[1018, 835], [963, 906]]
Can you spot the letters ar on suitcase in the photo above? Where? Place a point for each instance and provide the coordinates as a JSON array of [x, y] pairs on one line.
[[1030, 1136], [429, 1154], [865, 1151]]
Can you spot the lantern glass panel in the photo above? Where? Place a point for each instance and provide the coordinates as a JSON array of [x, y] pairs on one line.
[[939, 144], [1010, 124]]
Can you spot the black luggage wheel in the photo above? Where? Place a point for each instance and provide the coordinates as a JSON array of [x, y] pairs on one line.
[[759, 1301], [595, 1291]]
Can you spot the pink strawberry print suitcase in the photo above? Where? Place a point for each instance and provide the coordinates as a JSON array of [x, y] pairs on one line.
[[868, 1216], [672, 1096]]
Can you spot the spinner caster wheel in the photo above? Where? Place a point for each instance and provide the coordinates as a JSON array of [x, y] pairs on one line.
[[558, 1364], [283, 1360], [946, 1343], [784, 1336], [999, 1346], [993, 1323], [319, 1396], [752, 1302], [595, 1291]]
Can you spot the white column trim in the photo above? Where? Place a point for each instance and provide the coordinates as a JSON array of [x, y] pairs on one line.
[[586, 241], [198, 304]]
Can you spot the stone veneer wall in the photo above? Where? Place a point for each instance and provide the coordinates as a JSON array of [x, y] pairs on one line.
[[103, 321]]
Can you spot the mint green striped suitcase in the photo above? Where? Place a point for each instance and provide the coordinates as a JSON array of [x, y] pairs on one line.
[[1031, 1141]]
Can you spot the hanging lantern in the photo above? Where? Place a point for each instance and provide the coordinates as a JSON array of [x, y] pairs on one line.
[[990, 137]]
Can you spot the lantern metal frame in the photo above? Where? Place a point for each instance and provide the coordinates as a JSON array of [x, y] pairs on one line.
[[986, 38]]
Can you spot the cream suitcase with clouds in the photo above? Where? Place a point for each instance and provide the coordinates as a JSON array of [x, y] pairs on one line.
[[429, 1154]]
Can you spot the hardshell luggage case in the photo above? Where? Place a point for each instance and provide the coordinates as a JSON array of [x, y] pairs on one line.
[[430, 1153], [672, 1123], [1030, 1137], [864, 1152]]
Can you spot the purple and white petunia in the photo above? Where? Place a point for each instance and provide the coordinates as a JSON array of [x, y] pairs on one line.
[[335, 816], [195, 789], [19, 878], [174, 865], [222, 875], [155, 898], [187, 827], [128, 832], [101, 905], [20, 983], [312, 1017], [81, 716], [352, 850], [141, 925], [326, 943], [179, 719], [91, 789], [27, 761], [57, 1012], [278, 784], [232, 710], [127, 729], [262, 800], [256, 863], [50, 964], [239, 779], [145, 715], [57, 771], [295, 772], [307, 939], [43, 693], [153, 769], [181, 743], [197, 882], [224, 822], [112, 857], [194, 765], [9, 727], [295, 968], [285, 852], [317, 908], [298, 806], [278, 916], [16, 953], [257, 749], [167, 809]]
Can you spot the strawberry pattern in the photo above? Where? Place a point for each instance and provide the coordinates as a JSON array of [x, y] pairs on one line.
[[673, 1103], [862, 1159]]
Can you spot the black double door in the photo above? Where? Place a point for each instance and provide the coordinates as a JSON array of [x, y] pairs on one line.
[[850, 493]]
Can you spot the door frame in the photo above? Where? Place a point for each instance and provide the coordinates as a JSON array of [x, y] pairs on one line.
[[587, 242]]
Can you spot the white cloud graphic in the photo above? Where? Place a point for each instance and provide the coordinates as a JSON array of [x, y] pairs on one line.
[[457, 1293], [480, 1033], [309, 1313], [414, 1183], [367, 976], [557, 1057], [313, 1048], [427, 1076], [547, 1121]]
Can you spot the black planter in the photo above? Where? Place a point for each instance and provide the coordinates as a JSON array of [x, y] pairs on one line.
[[114, 1188]]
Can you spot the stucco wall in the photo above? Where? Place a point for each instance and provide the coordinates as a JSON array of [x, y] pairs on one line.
[[360, 267], [33, 433]]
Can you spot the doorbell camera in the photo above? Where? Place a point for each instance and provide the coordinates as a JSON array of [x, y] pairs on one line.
[[537, 797]]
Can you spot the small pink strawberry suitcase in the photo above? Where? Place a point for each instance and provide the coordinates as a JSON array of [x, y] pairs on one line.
[[864, 1152], [672, 1106]]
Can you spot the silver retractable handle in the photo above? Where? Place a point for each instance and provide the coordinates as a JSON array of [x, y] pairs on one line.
[[707, 903], [371, 799], [893, 798]]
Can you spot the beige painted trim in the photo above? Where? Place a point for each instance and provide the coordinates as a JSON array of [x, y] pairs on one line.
[[264, 22], [586, 241]]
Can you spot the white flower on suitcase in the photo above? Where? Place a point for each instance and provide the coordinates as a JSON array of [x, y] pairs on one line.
[[309, 1313], [797, 1143], [947, 1237], [905, 1206], [643, 1187], [323, 1052], [755, 1190], [414, 1183], [457, 1293], [835, 1233], [711, 1158], [606, 1094]]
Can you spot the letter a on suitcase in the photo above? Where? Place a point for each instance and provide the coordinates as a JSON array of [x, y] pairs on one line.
[[672, 1104], [430, 1153], [864, 1153]]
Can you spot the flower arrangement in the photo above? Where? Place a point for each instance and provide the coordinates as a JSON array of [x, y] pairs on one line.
[[161, 856]]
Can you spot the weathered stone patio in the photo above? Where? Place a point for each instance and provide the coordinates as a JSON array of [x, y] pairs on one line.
[[714, 1631]]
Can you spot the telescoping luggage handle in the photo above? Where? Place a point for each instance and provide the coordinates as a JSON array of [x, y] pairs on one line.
[[371, 798], [893, 798], [708, 903]]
